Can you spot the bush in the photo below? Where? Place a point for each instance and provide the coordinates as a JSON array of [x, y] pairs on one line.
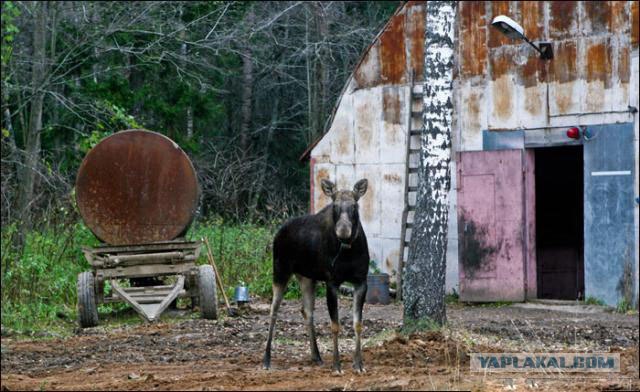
[[39, 286]]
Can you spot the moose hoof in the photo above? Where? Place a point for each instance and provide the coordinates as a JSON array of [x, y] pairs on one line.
[[358, 368], [337, 370]]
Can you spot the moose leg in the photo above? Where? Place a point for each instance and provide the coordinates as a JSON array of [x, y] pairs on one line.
[[278, 293], [332, 304], [359, 293], [308, 288]]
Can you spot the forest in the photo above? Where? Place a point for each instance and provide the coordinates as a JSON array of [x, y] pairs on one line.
[[135, 261], [243, 87]]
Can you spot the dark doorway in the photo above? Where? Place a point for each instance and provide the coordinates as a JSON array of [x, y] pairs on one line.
[[559, 222]]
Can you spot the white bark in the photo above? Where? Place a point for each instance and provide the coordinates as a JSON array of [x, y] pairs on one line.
[[425, 271]]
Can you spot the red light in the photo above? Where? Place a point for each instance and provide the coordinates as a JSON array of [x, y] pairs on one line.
[[573, 133]]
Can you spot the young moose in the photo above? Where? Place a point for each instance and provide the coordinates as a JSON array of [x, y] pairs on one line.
[[329, 246]]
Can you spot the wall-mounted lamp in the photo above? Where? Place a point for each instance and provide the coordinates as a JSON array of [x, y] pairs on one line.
[[513, 30]]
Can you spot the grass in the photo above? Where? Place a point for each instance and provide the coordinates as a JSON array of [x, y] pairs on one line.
[[452, 298], [379, 338], [594, 301], [39, 284], [419, 325]]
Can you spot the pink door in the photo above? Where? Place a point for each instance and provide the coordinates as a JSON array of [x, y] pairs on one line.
[[491, 225]]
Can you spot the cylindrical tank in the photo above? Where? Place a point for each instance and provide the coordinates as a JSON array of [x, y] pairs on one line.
[[136, 187]]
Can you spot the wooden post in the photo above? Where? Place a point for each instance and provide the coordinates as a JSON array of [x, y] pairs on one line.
[[215, 269]]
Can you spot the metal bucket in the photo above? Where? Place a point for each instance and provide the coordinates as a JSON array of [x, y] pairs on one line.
[[378, 289], [241, 294]]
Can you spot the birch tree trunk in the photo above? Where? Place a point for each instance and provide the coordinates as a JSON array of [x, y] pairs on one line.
[[424, 274]]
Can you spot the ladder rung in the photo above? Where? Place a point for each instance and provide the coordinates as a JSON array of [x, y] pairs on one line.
[[412, 189], [416, 113], [413, 170], [406, 243], [411, 208], [414, 151], [415, 132], [417, 94], [408, 225]]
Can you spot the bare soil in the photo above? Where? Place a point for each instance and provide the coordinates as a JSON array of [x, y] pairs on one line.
[[226, 354]]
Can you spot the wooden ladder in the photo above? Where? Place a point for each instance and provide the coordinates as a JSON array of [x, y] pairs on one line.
[[415, 124]]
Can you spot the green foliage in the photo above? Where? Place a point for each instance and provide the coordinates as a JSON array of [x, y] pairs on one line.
[[39, 286], [424, 324], [373, 267], [594, 301], [242, 253], [496, 304], [9, 30], [623, 306], [452, 298]]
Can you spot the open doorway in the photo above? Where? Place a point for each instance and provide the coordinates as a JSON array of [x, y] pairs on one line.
[[559, 222]]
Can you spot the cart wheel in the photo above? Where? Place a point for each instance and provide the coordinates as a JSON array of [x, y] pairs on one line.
[[87, 309], [208, 297]]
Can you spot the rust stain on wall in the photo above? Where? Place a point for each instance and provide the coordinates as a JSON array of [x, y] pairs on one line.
[[532, 18], [343, 143], [623, 64], [563, 19], [364, 125], [323, 200], [367, 203], [501, 61], [635, 22], [393, 178], [415, 34], [594, 99], [564, 62], [619, 23], [391, 105], [391, 261], [529, 71], [473, 106], [367, 74], [496, 38], [598, 13], [533, 101], [564, 99], [392, 51], [502, 97], [599, 62], [473, 34]]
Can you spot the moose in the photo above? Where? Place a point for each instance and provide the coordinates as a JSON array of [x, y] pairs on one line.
[[329, 246]]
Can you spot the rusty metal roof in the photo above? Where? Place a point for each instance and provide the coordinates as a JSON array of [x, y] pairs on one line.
[[391, 63]]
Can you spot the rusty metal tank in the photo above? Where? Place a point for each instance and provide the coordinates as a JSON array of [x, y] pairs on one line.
[[136, 187]]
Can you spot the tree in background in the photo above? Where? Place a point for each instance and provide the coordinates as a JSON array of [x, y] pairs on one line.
[[243, 87], [424, 274]]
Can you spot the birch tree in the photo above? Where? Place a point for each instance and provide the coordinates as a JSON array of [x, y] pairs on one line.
[[424, 275]]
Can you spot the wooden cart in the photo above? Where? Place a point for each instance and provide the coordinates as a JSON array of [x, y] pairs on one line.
[[119, 265]]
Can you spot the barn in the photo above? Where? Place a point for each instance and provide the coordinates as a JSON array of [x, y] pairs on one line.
[[544, 181]]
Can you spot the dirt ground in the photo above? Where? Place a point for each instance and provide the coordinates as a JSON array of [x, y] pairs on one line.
[[226, 354]]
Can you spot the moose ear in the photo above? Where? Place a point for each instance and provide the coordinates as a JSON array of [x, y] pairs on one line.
[[360, 188], [328, 187]]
